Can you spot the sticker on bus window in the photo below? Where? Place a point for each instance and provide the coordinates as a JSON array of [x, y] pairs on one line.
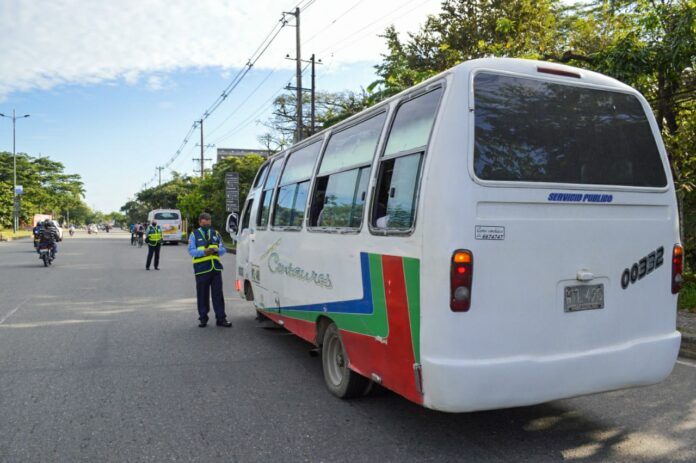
[[490, 232]]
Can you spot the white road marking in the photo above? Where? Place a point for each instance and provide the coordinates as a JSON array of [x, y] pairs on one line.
[[11, 312], [681, 362]]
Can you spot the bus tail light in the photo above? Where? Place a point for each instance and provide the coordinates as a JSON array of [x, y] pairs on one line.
[[677, 268], [461, 275], [238, 285]]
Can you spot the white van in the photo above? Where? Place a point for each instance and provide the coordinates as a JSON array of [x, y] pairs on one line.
[[170, 222], [503, 234]]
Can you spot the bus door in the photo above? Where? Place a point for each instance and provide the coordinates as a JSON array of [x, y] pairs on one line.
[[244, 237]]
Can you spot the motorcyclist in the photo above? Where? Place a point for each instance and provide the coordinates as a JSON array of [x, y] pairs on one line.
[[71, 229], [37, 231], [140, 231], [49, 236]]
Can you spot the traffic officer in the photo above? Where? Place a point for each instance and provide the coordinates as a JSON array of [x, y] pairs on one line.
[[205, 246], [153, 238]]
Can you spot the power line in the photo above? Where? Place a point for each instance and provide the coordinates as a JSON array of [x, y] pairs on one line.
[[331, 23], [369, 25], [256, 113], [233, 113], [258, 53]]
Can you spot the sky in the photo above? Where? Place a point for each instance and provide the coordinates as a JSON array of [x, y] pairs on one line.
[[112, 88]]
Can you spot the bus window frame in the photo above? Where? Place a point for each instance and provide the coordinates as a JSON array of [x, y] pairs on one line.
[[471, 142], [258, 182], [382, 109], [281, 157], [304, 144], [424, 150]]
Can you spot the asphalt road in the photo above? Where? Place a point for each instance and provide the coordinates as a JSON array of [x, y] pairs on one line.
[[103, 361]]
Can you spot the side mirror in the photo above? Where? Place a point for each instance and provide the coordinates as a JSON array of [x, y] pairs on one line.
[[232, 225]]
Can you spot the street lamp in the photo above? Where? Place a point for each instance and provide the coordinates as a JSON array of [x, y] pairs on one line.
[[15, 215]]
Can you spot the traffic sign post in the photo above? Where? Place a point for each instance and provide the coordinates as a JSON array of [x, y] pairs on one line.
[[232, 191]]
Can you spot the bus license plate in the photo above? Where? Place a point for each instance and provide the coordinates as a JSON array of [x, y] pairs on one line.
[[583, 297]]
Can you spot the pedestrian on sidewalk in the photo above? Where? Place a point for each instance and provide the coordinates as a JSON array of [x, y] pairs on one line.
[[205, 247], [153, 238]]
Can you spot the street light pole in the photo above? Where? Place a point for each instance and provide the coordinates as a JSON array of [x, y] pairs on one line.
[[15, 214]]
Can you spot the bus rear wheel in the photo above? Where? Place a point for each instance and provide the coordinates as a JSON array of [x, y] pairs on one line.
[[339, 378]]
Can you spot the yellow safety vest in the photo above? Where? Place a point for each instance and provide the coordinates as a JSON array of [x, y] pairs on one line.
[[199, 262], [155, 237]]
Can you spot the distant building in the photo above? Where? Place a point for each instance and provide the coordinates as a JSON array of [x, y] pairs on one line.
[[223, 153]]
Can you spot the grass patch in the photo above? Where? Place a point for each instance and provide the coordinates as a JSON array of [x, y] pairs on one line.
[[687, 297], [9, 234]]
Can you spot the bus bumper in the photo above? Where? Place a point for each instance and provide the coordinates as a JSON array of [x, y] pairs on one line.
[[454, 385]]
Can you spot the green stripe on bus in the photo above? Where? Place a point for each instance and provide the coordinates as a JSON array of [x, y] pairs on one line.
[[374, 324], [412, 276]]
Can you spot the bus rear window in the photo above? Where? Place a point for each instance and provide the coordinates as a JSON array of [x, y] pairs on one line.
[[538, 131], [166, 216]]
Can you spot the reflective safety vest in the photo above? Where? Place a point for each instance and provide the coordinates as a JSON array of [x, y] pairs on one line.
[[204, 241], [154, 234]]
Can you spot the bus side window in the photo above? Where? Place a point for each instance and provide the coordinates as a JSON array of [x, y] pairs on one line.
[[246, 218], [341, 186], [399, 170], [291, 199], [267, 194]]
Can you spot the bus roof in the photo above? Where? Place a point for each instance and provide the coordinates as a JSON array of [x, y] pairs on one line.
[[517, 65]]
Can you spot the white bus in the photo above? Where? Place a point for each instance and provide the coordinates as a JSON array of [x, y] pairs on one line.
[[170, 222], [503, 234]]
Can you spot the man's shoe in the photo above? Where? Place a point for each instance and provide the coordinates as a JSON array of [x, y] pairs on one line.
[[147, 268], [224, 323], [202, 324], [156, 268]]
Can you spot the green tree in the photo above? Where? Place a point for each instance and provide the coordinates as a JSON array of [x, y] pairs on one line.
[[47, 188]]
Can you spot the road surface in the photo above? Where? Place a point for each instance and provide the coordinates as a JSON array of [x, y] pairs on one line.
[[103, 361]]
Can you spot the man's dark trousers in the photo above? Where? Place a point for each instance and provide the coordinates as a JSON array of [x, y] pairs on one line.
[[205, 284], [153, 250]]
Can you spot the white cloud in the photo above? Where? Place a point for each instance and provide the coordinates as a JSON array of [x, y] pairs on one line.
[[47, 43]]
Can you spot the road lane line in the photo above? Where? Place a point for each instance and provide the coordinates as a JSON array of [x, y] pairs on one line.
[[11, 312], [681, 362]]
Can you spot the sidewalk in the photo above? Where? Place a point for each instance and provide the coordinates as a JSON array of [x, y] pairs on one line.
[[686, 322], [9, 236]]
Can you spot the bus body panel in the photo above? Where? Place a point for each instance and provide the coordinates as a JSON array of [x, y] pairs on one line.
[[170, 222], [517, 345]]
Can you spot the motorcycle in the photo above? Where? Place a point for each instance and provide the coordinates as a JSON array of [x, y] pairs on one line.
[[46, 253], [71, 231]]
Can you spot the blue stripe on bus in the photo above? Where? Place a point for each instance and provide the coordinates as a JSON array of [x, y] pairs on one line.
[[356, 306]]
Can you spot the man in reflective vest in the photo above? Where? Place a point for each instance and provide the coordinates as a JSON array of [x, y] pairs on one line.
[[153, 238], [205, 246]]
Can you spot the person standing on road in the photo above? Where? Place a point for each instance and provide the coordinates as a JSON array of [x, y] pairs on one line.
[[205, 247], [153, 238]]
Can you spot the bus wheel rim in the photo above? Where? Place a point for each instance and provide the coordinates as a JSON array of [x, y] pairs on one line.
[[335, 361]]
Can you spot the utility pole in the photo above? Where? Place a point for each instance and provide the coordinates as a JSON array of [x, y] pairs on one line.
[[202, 150], [160, 174], [15, 216], [313, 96], [202, 159], [313, 61], [298, 73]]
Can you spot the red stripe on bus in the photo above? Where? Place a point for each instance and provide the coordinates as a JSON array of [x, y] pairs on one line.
[[392, 358], [305, 329]]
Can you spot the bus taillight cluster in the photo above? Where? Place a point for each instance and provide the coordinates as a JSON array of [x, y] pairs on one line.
[[461, 276]]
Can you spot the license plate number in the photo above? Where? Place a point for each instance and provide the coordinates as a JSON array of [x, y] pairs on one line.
[[583, 297]]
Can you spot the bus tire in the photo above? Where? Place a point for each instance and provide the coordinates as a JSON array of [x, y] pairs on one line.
[[248, 291], [343, 382]]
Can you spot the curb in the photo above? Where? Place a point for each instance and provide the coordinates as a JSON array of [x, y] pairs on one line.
[[7, 240], [688, 347]]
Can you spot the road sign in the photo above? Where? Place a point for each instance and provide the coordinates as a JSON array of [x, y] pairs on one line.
[[19, 190], [232, 191]]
